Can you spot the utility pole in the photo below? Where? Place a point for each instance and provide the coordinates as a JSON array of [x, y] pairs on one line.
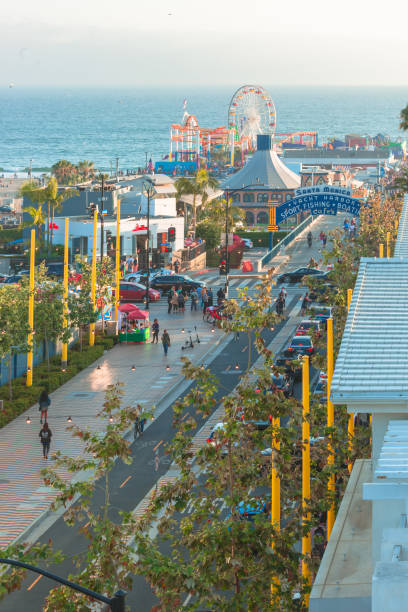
[[226, 246], [117, 167], [149, 188], [101, 214]]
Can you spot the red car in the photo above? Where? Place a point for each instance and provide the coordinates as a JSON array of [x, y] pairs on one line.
[[135, 292]]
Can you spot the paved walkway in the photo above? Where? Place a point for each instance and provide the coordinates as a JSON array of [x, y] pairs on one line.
[[23, 497]]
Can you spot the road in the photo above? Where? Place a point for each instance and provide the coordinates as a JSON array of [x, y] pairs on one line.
[[131, 483]]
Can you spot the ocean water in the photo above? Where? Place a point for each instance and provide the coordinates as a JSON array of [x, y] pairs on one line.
[[46, 125]]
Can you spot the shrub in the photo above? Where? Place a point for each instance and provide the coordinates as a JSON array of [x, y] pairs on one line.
[[26, 397]]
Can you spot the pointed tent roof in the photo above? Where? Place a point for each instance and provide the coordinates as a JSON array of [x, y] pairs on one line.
[[263, 170]]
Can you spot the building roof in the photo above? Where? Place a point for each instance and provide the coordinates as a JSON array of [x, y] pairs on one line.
[[372, 361], [401, 246], [264, 170]]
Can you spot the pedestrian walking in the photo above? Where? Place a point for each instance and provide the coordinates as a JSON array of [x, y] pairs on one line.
[[165, 341], [170, 305], [174, 301], [181, 301], [155, 330], [279, 306], [283, 295], [210, 297], [306, 300], [138, 430], [129, 263], [204, 299], [45, 437], [176, 267], [324, 239], [321, 236], [194, 299], [44, 402]]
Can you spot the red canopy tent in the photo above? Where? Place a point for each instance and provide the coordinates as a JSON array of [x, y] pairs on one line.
[[127, 307], [136, 313]]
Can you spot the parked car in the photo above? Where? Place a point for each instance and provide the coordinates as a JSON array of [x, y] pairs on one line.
[[302, 345], [165, 282], [286, 359], [10, 280], [248, 243], [135, 292], [321, 313], [296, 275], [320, 386], [304, 327]]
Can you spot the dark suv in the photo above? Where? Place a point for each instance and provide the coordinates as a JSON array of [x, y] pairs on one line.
[[165, 282]]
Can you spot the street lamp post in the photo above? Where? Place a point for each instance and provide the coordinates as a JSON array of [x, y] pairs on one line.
[[101, 214], [149, 189], [116, 603]]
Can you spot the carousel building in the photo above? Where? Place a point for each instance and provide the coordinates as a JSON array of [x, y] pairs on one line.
[[264, 178]]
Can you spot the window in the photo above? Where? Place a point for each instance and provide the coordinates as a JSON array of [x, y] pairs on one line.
[[249, 197], [262, 197], [262, 218], [236, 197], [250, 218]]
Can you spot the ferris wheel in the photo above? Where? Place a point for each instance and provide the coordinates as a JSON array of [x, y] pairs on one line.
[[251, 112]]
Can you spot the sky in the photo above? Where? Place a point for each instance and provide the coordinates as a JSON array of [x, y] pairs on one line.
[[215, 42]]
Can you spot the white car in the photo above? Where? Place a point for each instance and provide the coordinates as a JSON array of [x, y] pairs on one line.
[[248, 243]]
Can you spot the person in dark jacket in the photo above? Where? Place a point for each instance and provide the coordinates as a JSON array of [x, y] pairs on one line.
[[155, 330], [45, 437], [43, 404], [165, 341]]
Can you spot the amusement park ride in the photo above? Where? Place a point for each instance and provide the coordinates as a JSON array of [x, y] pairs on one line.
[[251, 112]]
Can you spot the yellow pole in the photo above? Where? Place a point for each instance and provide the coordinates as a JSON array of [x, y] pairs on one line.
[[330, 420], [351, 416], [388, 244], [306, 539], [232, 148], [396, 223], [93, 277], [349, 296], [381, 254], [64, 355], [117, 262], [29, 379], [275, 509]]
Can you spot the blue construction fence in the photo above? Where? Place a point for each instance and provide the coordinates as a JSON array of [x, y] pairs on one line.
[[286, 240], [19, 361]]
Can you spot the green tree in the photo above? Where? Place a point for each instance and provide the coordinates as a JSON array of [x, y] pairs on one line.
[[14, 328], [197, 187], [108, 562], [55, 201], [38, 196], [65, 172], [86, 170], [81, 312], [210, 232], [48, 311]]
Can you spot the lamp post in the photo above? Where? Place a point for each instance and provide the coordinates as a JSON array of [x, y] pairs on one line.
[[148, 186], [100, 212], [116, 603]]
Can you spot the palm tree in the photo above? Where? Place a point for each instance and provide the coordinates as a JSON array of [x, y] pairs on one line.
[[86, 169], [196, 187], [55, 200], [65, 172], [37, 195], [38, 218]]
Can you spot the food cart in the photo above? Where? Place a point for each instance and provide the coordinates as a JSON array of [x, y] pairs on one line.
[[135, 326]]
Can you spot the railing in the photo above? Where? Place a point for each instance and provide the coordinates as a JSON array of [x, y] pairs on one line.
[[192, 252], [286, 240]]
